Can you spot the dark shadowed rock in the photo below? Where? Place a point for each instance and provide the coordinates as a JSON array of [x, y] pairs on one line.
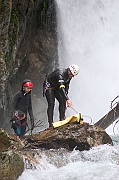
[[70, 136]]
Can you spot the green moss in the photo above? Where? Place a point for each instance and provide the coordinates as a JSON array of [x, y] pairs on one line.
[[12, 35], [32, 1], [14, 18], [44, 4], [4, 141], [2, 7]]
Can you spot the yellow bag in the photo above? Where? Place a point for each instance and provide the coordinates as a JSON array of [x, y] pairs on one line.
[[74, 118]]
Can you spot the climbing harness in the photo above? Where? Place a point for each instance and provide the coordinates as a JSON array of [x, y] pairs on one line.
[[17, 119]]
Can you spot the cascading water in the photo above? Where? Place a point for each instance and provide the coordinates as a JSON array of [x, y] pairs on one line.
[[89, 37]]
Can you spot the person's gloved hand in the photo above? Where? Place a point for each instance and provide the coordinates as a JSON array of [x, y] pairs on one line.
[[32, 123]]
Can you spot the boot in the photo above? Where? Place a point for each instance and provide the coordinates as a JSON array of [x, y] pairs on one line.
[[50, 124], [62, 118]]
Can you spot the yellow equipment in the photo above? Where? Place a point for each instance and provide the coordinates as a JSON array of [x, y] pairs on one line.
[[74, 118]]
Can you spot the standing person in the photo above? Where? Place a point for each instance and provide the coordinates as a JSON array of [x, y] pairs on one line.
[[56, 85], [20, 105]]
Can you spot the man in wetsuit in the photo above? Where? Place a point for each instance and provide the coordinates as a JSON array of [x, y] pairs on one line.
[[56, 86], [21, 104]]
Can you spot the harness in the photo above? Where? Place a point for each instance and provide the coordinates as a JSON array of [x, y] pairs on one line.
[[47, 86], [52, 86], [20, 115], [17, 119]]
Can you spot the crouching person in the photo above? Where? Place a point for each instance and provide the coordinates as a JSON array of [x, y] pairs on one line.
[[20, 106]]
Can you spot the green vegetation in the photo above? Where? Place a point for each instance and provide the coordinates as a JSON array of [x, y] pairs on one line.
[[4, 141], [32, 1], [12, 35], [2, 7], [44, 4]]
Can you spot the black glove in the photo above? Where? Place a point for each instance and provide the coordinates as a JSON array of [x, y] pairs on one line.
[[32, 123]]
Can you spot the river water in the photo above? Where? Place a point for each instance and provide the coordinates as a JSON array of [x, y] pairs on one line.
[[99, 163], [88, 33]]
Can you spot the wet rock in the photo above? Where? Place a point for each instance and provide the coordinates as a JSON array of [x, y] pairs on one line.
[[11, 165], [70, 136], [11, 162], [8, 141]]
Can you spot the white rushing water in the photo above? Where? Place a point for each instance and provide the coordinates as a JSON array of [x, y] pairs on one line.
[[89, 37], [100, 163]]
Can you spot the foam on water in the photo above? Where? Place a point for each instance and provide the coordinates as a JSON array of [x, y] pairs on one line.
[[100, 163]]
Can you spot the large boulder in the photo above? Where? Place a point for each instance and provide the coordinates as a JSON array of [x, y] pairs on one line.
[[69, 136], [11, 162], [11, 165], [8, 141]]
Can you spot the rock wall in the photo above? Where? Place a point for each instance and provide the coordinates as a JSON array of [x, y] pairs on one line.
[[28, 49]]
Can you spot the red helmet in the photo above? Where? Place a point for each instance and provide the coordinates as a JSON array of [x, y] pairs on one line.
[[28, 84]]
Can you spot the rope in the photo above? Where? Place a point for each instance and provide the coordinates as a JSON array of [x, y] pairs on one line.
[[114, 126], [83, 115]]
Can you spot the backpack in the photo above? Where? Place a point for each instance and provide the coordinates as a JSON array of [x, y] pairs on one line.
[[18, 116]]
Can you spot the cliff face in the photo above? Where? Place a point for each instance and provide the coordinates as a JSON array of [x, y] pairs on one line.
[[28, 49]]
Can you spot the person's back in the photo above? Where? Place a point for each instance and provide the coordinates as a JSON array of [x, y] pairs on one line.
[[57, 77]]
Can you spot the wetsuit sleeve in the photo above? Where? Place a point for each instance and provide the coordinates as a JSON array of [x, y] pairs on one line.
[[30, 109], [62, 89], [67, 86]]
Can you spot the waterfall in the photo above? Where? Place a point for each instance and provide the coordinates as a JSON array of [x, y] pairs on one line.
[[88, 33]]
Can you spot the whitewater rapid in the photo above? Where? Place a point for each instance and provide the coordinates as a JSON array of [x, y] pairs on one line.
[[100, 163]]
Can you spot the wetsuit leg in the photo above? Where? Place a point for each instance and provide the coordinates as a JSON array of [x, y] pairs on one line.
[[23, 129], [62, 105], [20, 130], [51, 102], [16, 126], [17, 131]]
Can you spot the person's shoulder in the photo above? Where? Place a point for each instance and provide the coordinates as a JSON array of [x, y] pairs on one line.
[[18, 93], [60, 70], [63, 71], [57, 72]]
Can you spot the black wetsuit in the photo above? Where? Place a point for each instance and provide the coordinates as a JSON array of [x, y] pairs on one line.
[[22, 102], [56, 86]]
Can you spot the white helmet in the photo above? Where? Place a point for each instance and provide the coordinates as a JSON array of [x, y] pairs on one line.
[[74, 69]]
